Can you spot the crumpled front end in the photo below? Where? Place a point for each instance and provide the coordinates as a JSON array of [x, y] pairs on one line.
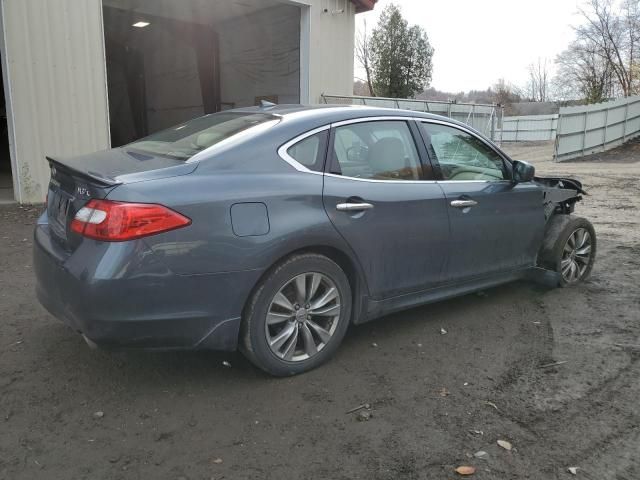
[[560, 194]]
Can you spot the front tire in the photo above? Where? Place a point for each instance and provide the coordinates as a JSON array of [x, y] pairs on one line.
[[569, 248], [297, 316]]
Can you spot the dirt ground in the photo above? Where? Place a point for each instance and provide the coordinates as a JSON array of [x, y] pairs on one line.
[[435, 400]]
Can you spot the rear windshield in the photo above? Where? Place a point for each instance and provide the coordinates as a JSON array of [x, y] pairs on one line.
[[187, 139]]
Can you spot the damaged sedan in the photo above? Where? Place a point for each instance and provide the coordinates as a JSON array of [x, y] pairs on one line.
[[272, 229]]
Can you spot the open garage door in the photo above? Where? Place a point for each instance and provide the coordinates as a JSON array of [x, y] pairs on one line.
[[6, 181], [170, 61]]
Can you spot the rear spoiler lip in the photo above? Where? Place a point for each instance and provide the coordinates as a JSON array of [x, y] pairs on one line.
[[94, 177]]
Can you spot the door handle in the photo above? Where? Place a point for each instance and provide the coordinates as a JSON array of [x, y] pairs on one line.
[[463, 203], [353, 207]]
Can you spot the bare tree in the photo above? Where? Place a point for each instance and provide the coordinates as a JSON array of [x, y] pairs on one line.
[[538, 87], [363, 56], [584, 74], [360, 88], [613, 31], [505, 95]]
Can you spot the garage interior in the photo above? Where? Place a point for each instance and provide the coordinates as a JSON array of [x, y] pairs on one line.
[[6, 181], [168, 62]]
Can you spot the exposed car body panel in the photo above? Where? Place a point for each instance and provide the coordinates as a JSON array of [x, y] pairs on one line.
[[560, 195]]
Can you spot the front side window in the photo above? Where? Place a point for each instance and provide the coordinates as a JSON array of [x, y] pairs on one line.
[[463, 156], [310, 151], [380, 150], [186, 140]]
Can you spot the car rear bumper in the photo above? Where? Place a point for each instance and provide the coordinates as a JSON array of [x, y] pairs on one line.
[[122, 295]]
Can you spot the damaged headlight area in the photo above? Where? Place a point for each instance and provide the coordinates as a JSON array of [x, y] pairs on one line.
[[560, 194]]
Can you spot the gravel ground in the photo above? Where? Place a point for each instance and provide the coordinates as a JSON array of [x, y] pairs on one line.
[[434, 400]]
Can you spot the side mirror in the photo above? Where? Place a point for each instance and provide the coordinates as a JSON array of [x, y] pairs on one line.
[[523, 172]]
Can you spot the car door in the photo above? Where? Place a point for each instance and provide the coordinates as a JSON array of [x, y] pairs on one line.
[[386, 204], [496, 225]]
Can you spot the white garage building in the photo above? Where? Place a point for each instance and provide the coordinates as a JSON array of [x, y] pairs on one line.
[[85, 75]]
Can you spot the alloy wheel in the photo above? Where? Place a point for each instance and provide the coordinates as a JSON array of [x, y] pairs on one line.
[[303, 316], [576, 255]]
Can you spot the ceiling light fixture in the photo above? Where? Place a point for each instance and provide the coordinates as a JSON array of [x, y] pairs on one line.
[[141, 24]]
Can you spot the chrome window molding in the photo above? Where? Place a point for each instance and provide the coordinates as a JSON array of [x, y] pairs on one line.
[[283, 150], [416, 119], [475, 181], [372, 180], [373, 119]]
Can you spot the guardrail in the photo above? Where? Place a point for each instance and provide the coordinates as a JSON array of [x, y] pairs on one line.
[[595, 128], [481, 116]]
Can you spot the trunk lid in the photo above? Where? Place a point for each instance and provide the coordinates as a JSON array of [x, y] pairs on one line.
[[75, 181]]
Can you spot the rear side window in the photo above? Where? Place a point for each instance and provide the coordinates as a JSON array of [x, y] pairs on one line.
[[378, 150], [186, 140], [311, 151]]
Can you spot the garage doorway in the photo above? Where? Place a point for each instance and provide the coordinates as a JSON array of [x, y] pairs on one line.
[[6, 179], [170, 61]]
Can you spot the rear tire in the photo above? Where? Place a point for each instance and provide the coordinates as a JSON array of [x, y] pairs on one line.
[[297, 316], [569, 248]]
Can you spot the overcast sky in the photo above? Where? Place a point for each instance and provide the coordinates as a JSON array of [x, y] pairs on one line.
[[480, 41]]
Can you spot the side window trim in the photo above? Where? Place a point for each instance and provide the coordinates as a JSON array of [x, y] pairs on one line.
[[422, 147], [332, 165], [429, 170], [505, 161], [283, 151]]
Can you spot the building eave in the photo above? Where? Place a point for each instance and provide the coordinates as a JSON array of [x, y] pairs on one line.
[[364, 5]]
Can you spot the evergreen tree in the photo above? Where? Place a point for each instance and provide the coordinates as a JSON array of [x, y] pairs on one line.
[[400, 56]]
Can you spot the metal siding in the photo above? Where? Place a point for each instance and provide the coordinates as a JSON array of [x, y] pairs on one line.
[[57, 81], [595, 128], [529, 128], [332, 37]]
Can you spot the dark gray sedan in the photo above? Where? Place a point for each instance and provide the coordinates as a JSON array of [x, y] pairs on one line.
[[273, 229]]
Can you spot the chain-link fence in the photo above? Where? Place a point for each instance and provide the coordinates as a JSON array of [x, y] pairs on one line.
[[486, 118]]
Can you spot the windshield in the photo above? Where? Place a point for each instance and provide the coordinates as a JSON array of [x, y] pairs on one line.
[[187, 139]]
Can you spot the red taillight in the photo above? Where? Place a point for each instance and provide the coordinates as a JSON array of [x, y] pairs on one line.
[[118, 221]]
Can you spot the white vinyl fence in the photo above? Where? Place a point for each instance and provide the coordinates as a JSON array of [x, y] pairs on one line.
[[529, 128], [595, 128], [483, 117]]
